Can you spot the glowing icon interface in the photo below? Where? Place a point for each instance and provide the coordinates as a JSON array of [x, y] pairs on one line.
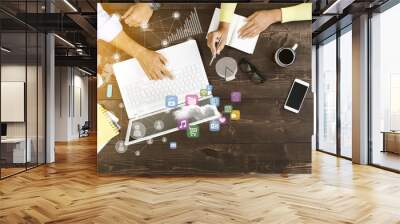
[[159, 125], [222, 120], [227, 108], [214, 125], [193, 131], [235, 115], [236, 97], [191, 100], [171, 101], [203, 92], [172, 145], [182, 124], [215, 101]]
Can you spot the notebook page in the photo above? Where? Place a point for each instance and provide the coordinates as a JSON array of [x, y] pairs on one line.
[[106, 129], [247, 45]]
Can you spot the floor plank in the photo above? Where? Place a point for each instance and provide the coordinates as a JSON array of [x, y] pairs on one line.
[[71, 191]]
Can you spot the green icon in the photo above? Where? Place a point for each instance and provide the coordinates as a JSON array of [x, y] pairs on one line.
[[193, 131], [227, 108], [203, 92]]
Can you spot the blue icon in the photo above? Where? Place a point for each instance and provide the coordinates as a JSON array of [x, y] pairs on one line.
[[209, 88], [172, 145], [214, 101], [171, 101], [214, 126], [109, 90]]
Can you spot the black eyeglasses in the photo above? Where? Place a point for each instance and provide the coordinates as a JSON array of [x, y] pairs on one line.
[[251, 70]]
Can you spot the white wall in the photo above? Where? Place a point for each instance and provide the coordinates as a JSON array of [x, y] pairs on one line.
[[71, 94], [33, 127]]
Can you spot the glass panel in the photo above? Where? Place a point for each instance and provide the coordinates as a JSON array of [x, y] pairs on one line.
[[22, 64], [346, 94], [31, 98], [385, 92], [32, 87], [13, 86], [41, 99], [327, 96]]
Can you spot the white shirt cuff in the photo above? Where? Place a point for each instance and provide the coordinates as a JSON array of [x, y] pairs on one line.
[[110, 29]]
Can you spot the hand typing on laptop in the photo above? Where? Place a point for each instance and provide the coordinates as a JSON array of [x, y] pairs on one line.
[[109, 29], [153, 64]]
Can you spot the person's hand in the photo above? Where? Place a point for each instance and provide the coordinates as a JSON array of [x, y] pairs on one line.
[[153, 64], [259, 21], [218, 37], [139, 13]]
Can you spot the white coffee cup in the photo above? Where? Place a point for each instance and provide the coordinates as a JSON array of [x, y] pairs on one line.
[[285, 56]]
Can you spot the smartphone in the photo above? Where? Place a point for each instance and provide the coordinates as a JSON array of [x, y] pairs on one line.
[[296, 96]]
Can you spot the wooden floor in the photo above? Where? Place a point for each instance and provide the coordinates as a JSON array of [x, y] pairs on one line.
[[70, 191]]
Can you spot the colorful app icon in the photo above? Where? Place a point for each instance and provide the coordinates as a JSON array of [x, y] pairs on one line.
[[182, 124], [236, 97], [191, 100], [193, 131], [214, 101], [235, 115], [203, 92], [209, 88], [214, 126], [172, 145], [228, 108], [171, 101], [222, 120], [109, 90]]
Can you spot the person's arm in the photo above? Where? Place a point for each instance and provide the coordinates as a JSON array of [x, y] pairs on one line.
[[297, 13], [221, 34], [110, 30], [261, 20], [153, 63], [108, 27], [227, 12]]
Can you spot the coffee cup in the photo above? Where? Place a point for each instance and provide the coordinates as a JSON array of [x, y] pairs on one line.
[[285, 56]]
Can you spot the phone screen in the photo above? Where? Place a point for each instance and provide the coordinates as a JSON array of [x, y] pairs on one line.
[[296, 95]]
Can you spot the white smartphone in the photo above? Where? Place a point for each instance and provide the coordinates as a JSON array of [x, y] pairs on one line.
[[296, 95]]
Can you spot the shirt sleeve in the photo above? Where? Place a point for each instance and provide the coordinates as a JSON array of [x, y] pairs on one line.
[[108, 27], [297, 13], [227, 12]]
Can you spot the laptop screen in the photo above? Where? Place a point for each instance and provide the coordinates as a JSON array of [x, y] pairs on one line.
[[170, 121]]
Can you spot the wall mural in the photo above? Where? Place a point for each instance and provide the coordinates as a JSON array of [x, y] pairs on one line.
[[182, 92]]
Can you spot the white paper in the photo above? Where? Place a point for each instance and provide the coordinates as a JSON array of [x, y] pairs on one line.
[[246, 45]]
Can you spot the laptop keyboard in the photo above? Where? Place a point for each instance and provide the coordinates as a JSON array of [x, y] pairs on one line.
[[151, 94]]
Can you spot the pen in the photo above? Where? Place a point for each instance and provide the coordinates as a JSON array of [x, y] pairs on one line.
[[215, 55]]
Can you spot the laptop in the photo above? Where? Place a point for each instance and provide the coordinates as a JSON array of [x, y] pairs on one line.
[[144, 98]]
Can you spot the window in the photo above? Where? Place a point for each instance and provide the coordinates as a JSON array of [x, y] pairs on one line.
[[385, 89], [346, 75], [327, 96]]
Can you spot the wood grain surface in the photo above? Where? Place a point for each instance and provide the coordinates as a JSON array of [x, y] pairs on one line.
[[71, 191], [267, 139]]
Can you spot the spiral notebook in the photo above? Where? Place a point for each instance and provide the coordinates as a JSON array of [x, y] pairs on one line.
[[106, 127]]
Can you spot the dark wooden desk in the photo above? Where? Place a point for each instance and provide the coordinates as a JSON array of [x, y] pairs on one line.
[[267, 138]]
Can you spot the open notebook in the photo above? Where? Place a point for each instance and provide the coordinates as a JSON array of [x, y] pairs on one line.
[[106, 127], [247, 45]]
